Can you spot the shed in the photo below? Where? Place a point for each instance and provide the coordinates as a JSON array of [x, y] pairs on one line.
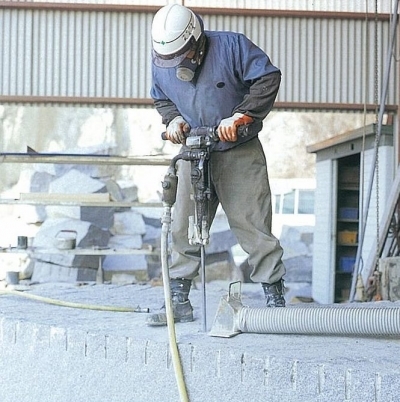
[[344, 167]]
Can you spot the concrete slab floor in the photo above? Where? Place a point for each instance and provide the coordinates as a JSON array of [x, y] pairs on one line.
[[56, 353]]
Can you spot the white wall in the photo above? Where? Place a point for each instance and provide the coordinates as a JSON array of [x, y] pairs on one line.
[[323, 275]]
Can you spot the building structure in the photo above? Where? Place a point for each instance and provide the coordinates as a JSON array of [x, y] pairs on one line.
[[344, 166], [98, 54]]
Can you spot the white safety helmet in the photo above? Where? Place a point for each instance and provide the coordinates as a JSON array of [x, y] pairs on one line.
[[175, 31]]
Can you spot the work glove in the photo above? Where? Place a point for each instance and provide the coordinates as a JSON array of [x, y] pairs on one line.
[[176, 130], [227, 129]]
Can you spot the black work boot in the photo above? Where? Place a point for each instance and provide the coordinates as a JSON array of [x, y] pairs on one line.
[[274, 294], [183, 310]]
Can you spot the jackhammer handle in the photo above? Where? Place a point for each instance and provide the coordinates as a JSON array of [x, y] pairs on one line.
[[197, 131], [242, 132]]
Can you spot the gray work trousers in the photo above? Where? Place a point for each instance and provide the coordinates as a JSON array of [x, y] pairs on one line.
[[240, 183]]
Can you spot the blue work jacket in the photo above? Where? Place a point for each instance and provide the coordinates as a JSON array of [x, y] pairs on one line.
[[221, 87]]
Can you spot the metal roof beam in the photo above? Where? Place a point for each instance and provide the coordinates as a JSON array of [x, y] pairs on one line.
[[251, 12]]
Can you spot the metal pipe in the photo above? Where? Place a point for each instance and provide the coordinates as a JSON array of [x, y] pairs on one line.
[[203, 288], [222, 11], [382, 103]]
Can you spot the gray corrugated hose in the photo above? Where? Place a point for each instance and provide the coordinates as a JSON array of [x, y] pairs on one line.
[[232, 318], [321, 320]]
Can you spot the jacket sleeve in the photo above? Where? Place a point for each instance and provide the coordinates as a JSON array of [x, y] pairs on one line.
[[167, 110], [261, 97]]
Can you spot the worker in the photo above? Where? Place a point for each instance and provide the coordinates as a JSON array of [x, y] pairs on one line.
[[212, 78]]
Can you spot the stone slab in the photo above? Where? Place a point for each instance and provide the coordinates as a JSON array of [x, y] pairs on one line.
[[80, 354]]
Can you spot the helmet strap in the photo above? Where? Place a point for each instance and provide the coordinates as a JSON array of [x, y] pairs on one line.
[[200, 49]]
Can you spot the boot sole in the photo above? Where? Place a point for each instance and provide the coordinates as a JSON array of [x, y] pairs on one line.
[[160, 320]]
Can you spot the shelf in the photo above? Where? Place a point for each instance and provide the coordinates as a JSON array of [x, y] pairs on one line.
[[348, 188], [347, 222]]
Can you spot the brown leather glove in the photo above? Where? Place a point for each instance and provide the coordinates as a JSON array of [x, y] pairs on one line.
[[227, 129]]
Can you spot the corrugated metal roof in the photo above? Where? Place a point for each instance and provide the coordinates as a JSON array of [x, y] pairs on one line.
[[104, 56], [79, 54], [359, 6]]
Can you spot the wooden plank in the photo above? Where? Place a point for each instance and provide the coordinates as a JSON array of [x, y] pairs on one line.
[[108, 204], [100, 251], [84, 159], [64, 197]]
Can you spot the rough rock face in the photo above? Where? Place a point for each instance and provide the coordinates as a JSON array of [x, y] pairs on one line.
[[297, 242], [127, 233], [76, 182], [136, 131], [86, 235], [59, 265], [129, 228], [95, 227], [133, 131], [107, 228]]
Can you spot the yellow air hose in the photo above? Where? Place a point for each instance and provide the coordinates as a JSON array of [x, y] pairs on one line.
[[168, 307], [73, 305]]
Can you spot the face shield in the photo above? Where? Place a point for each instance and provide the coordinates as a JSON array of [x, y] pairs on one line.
[[168, 61], [176, 34], [185, 64]]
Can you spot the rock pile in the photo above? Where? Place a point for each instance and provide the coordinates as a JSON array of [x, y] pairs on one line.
[[122, 228], [103, 228], [95, 227]]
